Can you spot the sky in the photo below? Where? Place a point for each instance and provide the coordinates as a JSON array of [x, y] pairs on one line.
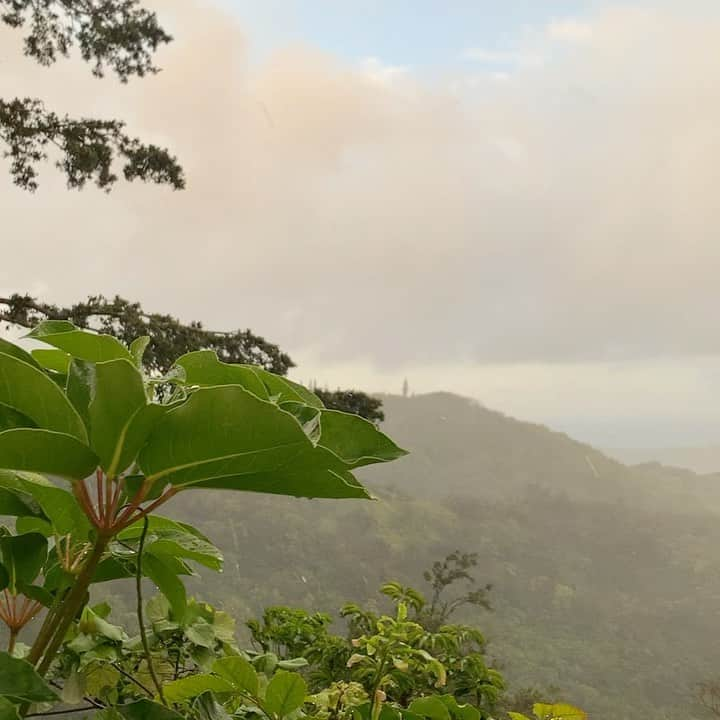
[[513, 201]]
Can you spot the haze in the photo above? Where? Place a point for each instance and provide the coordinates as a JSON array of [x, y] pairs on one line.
[[531, 223]]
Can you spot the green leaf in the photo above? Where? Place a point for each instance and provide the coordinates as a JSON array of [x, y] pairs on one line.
[[137, 349], [23, 556], [201, 633], [11, 418], [45, 451], [356, 440], [226, 437], [167, 582], [284, 390], [34, 592], [293, 663], [92, 623], [55, 360], [204, 369], [191, 687], [16, 504], [19, 681], [17, 352], [80, 382], [28, 390], [102, 610], [458, 711], [430, 707], [58, 505], [185, 545], [24, 525], [558, 711], [8, 710], [517, 716], [285, 693], [117, 398], [81, 344], [206, 707], [4, 577], [147, 710], [224, 627], [238, 672]]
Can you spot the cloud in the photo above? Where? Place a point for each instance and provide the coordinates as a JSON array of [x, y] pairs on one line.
[[570, 30], [565, 215], [381, 73], [506, 58]]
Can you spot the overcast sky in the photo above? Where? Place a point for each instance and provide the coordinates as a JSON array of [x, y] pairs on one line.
[[516, 201]]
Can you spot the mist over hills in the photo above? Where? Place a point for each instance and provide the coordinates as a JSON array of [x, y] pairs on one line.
[[605, 581], [702, 460]]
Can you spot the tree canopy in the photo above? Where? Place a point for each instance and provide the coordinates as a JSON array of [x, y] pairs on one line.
[[170, 338], [115, 35]]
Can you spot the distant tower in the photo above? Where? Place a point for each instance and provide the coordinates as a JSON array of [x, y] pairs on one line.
[[405, 387]]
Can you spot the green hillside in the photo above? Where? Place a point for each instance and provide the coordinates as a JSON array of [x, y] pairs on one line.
[[604, 577]]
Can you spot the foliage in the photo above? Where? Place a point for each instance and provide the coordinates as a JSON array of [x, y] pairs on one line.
[[560, 711], [84, 407], [353, 401], [169, 338], [118, 35]]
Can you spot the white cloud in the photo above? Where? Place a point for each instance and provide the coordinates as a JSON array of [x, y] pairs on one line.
[[570, 30], [519, 59], [382, 74]]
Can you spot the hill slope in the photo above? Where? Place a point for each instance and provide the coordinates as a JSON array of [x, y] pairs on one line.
[[604, 576]]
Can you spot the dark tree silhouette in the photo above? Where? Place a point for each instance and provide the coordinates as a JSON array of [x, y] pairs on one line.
[[115, 35]]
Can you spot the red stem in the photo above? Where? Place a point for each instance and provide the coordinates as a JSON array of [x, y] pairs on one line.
[[99, 484], [142, 512], [81, 493]]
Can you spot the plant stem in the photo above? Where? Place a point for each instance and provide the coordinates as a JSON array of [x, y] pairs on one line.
[[11, 640], [75, 600], [141, 621]]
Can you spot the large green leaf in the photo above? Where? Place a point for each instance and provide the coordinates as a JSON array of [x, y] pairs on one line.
[[458, 711], [185, 545], [78, 387], [45, 451], [19, 681], [226, 437], [170, 539], [23, 556], [8, 710], [238, 672], [147, 710], [116, 398], [55, 360], [11, 349], [80, 344], [30, 391], [285, 693], [15, 503], [430, 707], [58, 505], [191, 687], [168, 583], [356, 440], [11, 418], [558, 711], [204, 369]]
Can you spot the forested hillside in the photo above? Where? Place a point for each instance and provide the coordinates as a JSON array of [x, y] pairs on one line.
[[604, 577]]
